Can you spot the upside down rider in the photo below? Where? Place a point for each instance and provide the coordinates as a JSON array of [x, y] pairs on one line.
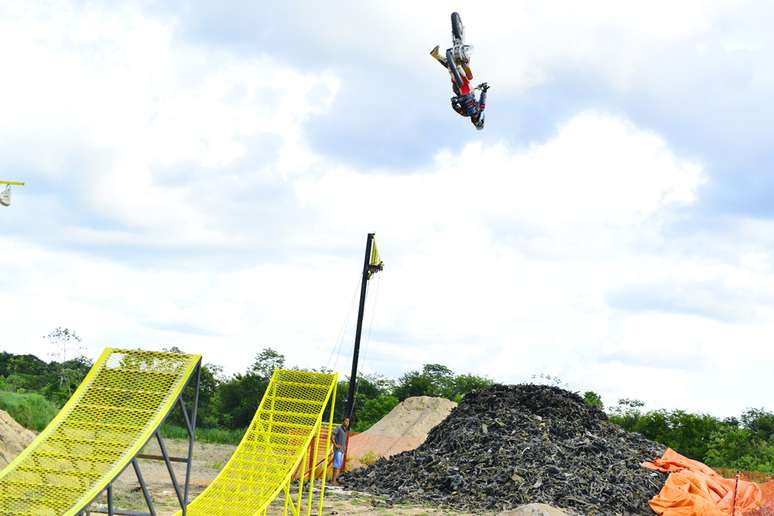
[[464, 102]]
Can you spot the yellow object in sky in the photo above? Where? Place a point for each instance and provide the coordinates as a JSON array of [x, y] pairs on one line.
[[5, 193]]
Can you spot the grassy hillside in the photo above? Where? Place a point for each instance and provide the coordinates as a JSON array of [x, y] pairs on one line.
[[29, 409]]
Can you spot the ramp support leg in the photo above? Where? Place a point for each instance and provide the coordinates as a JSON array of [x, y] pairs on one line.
[[145, 493], [170, 469]]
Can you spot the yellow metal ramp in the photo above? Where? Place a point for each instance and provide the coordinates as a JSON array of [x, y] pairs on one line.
[[274, 448], [119, 405]]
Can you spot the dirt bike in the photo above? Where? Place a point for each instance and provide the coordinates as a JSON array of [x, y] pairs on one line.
[[458, 56]]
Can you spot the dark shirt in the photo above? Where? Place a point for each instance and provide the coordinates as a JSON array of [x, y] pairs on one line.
[[466, 105], [340, 437]]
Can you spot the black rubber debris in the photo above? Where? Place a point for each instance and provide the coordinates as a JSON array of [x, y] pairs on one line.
[[508, 445]]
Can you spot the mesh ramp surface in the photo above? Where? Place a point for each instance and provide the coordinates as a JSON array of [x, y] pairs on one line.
[[120, 403], [274, 446]]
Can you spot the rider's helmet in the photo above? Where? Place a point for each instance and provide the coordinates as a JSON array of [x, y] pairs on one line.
[[478, 121]]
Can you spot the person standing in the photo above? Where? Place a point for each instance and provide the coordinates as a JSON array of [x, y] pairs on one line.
[[339, 440]]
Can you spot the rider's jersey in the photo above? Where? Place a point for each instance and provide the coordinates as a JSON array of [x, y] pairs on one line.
[[468, 106]]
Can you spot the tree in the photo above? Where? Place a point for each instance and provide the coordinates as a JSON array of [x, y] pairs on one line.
[[439, 381], [69, 375], [433, 380], [466, 383], [414, 383], [266, 362], [689, 433], [593, 399], [340, 404], [208, 411], [373, 410], [65, 342], [627, 414], [209, 385], [441, 378], [239, 397], [374, 385], [628, 406], [760, 423], [69, 359], [369, 387]]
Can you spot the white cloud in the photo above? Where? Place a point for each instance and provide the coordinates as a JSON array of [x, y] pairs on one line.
[[647, 48], [117, 92], [597, 170]]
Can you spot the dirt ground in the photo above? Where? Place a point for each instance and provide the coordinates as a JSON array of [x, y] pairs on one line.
[[13, 438], [209, 459]]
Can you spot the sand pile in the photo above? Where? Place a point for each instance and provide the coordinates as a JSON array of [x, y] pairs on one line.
[[13, 438], [404, 428], [509, 445]]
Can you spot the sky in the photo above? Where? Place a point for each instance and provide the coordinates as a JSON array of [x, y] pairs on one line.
[[204, 174]]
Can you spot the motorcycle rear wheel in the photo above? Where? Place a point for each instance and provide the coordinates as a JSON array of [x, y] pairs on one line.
[[458, 31]]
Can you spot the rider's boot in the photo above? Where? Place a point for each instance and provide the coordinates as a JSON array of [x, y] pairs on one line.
[[438, 57]]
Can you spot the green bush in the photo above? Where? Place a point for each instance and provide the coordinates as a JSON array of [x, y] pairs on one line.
[[373, 411], [31, 410]]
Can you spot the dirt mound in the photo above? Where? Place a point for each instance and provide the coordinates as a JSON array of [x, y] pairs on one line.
[[404, 428], [413, 417], [509, 445], [13, 438]]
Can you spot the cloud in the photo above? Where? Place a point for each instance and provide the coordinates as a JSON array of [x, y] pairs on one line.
[[698, 74], [133, 112]]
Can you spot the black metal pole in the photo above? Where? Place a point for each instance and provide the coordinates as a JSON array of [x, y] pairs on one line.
[[353, 376]]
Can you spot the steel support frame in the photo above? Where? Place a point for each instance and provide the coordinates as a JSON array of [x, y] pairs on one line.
[[182, 496]]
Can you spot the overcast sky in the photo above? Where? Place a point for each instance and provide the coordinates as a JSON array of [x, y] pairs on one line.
[[203, 175]]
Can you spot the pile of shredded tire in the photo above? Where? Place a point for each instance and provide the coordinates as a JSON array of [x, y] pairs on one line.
[[509, 445]]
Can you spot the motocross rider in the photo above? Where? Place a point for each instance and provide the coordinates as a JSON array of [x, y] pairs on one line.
[[464, 102]]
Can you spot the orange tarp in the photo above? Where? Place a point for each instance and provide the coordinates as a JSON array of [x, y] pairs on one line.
[[694, 489]]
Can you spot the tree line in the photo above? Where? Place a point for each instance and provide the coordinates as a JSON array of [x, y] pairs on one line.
[[230, 401], [745, 443], [32, 390]]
